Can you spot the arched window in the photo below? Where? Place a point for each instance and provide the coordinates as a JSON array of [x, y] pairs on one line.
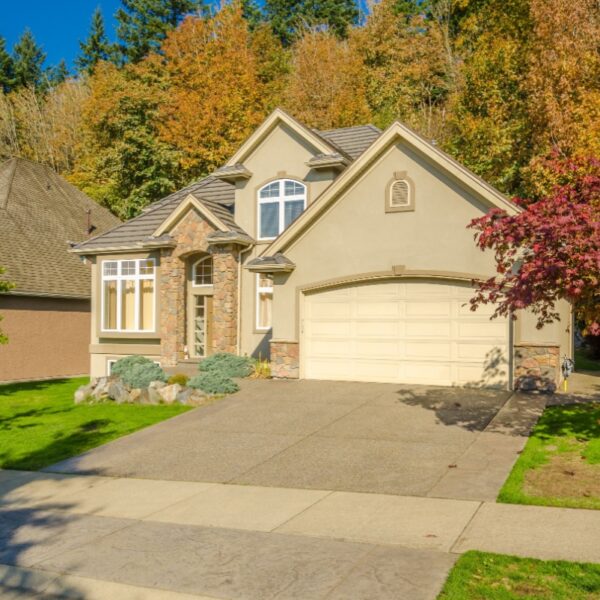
[[400, 195], [280, 203], [202, 272]]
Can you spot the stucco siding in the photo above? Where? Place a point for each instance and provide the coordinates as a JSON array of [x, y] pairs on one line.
[[48, 337]]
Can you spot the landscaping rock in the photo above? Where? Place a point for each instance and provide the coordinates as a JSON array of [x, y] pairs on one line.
[[117, 391], [157, 385], [152, 396], [83, 393], [168, 393], [101, 388]]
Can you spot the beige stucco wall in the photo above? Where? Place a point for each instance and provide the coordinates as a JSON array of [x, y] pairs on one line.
[[281, 154], [48, 337], [356, 236]]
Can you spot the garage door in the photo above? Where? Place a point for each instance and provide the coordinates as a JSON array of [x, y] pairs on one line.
[[419, 332]]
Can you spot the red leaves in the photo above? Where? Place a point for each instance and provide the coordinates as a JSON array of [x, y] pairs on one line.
[[550, 251]]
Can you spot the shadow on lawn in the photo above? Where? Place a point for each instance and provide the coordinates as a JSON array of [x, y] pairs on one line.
[[580, 421]]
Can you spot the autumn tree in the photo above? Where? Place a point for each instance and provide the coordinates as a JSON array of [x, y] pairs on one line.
[[549, 251], [96, 47], [288, 18], [122, 163], [28, 60], [215, 96], [144, 24], [5, 286], [407, 75], [326, 87]]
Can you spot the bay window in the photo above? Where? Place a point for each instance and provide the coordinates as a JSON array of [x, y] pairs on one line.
[[280, 203], [128, 295], [264, 301]]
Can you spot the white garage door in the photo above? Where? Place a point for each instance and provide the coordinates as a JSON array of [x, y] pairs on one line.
[[412, 332]]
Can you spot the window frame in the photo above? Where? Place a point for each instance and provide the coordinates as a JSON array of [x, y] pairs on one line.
[[280, 200], [208, 258], [262, 290], [119, 278]]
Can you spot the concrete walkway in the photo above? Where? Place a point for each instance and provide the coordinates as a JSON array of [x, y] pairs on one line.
[[98, 537]]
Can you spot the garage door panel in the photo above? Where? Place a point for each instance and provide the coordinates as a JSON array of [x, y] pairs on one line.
[[413, 332]]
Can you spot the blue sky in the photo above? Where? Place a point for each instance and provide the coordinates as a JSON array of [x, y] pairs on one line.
[[57, 25]]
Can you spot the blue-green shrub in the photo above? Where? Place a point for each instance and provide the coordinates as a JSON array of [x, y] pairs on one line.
[[138, 371], [227, 364], [214, 382]]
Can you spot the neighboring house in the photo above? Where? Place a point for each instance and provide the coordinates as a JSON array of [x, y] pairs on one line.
[[47, 314], [339, 254]]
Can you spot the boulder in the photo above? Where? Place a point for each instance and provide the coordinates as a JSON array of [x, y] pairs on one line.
[[183, 397], [83, 393], [197, 398], [117, 391], [135, 395], [152, 396], [101, 388], [157, 385], [168, 393]]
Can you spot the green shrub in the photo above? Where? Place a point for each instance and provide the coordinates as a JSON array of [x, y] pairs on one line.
[[261, 369], [138, 371], [214, 382], [179, 378], [228, 365]]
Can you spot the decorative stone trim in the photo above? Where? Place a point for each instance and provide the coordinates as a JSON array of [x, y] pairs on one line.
[[537, 367], [285, 359]]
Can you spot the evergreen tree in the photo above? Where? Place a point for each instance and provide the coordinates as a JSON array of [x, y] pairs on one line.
[[143, 24], [252, 13], [288, 16], [28, 59], [6, 67], [57, 74], [96, 47]]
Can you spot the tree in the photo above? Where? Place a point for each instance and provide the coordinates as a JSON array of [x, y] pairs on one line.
[[28, 59], [6, 68], [96, 47], [5, 286], [57, 74], [215, 94], [144, 24], [288, 18], [326, 87], [253, 13], [550, 250]]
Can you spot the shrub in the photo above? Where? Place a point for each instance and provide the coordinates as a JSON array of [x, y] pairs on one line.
[[179, 378], [214, 382], [261, 369], [138, 371], [228, 365]]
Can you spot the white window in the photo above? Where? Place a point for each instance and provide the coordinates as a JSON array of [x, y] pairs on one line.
[[264, 301], [128, 295], [280, 203], [203, 272]]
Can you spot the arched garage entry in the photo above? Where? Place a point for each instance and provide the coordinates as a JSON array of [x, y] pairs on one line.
[[418, 331]]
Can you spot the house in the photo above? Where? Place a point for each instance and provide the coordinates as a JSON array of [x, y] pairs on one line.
[[339, 254], [47, 315]]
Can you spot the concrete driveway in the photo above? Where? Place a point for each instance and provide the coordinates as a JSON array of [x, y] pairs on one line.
[[355, 437]]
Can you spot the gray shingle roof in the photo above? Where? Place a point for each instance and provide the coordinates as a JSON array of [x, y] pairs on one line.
[[39, 213], [352, 141]]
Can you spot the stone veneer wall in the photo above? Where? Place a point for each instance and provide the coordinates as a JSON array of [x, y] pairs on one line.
[[537, 367], [285, 359], [190, 236]]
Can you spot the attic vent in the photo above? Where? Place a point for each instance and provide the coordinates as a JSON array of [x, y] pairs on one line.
[[400, 194]]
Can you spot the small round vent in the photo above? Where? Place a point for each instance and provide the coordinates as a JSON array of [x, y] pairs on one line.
[[400, 194]]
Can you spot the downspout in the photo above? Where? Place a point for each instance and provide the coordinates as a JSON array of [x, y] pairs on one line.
[[239, 301]]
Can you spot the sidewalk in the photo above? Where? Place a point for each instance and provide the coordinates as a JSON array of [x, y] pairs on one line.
[[227, 541]]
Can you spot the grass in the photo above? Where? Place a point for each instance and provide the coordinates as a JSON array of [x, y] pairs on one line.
[[40, 424], [560, 464], [583, 361], [483, 576]]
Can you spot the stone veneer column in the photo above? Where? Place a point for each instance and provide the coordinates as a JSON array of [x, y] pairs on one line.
[[537, 367], [225, 299], [285, 359], [172, 308]]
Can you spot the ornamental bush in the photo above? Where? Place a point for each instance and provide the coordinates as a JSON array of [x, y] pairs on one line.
[[138, 371], [179, 378], [228, 365], [214, 382]]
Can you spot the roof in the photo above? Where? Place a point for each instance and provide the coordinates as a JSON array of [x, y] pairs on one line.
[[40, 213], [217, 194], [277, 262]]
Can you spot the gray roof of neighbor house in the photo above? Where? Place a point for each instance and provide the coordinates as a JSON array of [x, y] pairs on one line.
[[40, 213], [217, 195]]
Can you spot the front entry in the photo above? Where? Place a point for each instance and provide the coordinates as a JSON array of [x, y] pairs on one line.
[[200, 307]]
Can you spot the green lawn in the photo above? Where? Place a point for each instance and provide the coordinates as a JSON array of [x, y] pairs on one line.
[[560, 465], [583, 362], [40, 424], [483, 576]]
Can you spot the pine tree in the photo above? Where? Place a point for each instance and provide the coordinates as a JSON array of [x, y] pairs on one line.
[[143, 24], [252, 13], [28, 59], [96, 47], [287, 17], [6, 67], [57, 74]]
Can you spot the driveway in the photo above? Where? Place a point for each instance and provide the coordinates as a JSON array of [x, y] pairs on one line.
[[354, 437]]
